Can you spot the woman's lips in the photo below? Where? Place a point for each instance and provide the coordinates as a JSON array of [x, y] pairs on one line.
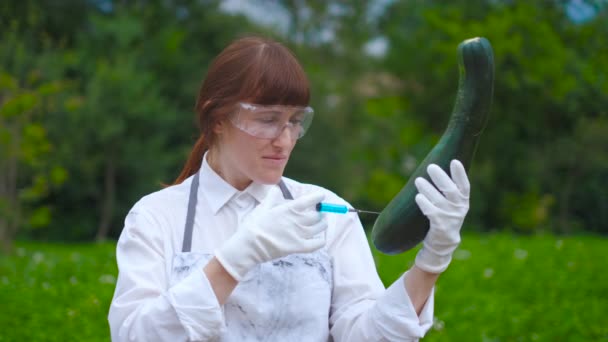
[[275, 160]]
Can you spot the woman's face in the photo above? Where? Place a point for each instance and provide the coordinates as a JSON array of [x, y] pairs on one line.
[[241, 158]]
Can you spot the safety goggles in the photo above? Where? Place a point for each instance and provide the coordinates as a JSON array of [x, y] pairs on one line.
[[269, 121]]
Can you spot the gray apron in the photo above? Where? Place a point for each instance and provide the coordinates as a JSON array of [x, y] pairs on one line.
[[286, 299]]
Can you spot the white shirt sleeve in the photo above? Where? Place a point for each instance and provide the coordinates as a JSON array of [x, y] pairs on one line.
[[362, 309], [144, 308]]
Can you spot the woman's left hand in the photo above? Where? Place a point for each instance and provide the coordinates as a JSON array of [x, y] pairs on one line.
[[446, 210]]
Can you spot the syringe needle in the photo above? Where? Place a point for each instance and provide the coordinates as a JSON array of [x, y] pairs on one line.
[[363, 211]]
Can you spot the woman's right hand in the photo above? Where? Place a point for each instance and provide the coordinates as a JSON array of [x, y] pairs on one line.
[[276, 228]]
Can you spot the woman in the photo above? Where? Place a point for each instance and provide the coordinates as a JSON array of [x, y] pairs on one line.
[[233, 251]]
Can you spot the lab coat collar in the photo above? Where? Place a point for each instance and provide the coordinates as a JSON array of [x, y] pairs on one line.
[[218, 192]]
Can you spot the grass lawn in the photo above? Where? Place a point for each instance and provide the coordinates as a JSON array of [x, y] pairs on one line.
[[500, 287], [512, 288]]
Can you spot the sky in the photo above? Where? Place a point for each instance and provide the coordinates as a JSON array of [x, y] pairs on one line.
[[271, 14]]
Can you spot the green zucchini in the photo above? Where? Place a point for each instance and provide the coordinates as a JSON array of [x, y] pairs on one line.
[[401, 225]]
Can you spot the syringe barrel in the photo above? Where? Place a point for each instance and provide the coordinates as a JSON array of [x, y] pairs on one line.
[[332, 208]]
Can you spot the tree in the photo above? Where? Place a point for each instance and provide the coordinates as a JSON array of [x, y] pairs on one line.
[[545, 91], [27, 174], [137, 70]]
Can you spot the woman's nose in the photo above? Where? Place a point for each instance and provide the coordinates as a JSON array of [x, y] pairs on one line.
[[287, 136]]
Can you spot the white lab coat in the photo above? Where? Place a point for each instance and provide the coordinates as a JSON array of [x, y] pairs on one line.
[[334, 294]]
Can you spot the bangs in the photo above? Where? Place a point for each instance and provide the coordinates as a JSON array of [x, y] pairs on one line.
[[275, 77]]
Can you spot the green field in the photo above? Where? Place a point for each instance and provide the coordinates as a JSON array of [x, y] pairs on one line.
[[499, 288]]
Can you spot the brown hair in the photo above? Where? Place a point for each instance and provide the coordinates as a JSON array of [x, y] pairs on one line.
[[251, 69]]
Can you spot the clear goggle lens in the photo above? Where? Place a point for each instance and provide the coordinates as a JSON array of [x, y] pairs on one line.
[[264, 121]]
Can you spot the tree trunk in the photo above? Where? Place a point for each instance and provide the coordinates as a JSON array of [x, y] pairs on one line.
[[3, 206], [107, 206], [9, 217], [6, 241], [10, 220], [564, 198], [564, 207]]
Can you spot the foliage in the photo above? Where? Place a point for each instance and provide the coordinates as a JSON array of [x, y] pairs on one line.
[[119, 121], [128, 123], [546, 99], [96, 111], [27, 173], [113, 129], [499, 287], [57, 292]]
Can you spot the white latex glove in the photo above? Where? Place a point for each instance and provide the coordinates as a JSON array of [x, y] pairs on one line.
[[446, 213], [275, 228]]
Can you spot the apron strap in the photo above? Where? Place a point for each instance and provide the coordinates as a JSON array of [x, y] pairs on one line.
[[284, 190], [187, 243]]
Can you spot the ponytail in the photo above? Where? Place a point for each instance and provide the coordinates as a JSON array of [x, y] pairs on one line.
[[193, 164]]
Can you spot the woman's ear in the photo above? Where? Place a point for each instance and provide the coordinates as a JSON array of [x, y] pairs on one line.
[[218, 128]]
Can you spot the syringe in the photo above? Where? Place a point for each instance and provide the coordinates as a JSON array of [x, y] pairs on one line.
[[340, 209]]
